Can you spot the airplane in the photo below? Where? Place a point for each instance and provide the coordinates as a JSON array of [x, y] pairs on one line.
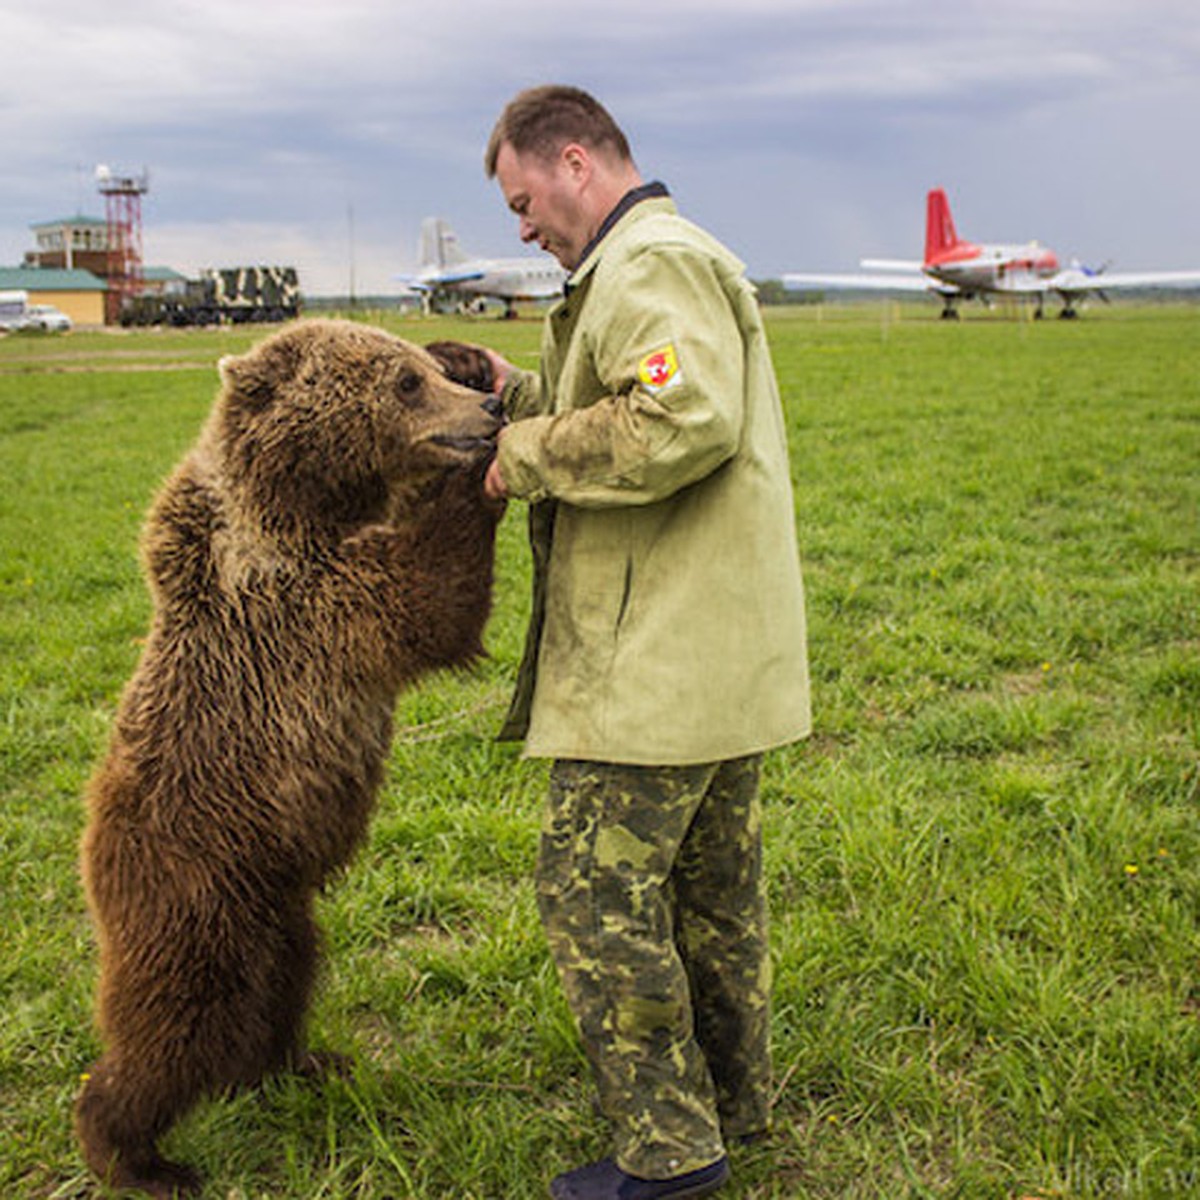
[[960, 270], [446, 273]]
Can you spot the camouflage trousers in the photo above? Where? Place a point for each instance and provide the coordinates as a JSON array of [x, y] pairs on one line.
[[650, 890]]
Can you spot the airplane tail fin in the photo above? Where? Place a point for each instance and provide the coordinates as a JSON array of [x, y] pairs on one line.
[[940, 234], [439, 244]]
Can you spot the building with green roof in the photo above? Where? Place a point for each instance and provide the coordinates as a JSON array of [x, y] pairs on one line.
[[77, 292]]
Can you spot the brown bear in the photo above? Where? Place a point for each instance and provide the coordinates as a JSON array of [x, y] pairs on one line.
[[325, 542]]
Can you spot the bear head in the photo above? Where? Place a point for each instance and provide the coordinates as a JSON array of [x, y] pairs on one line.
[[328, 425]]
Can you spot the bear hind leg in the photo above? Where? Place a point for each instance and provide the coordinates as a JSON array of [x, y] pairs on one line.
[[290, 997], [289, 993], [118, 1122]]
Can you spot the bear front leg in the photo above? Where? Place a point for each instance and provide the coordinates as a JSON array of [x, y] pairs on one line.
[[118, 1120], [452, 564], [432, 578]]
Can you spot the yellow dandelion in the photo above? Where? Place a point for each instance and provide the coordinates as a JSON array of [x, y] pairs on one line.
[[1131, 869]]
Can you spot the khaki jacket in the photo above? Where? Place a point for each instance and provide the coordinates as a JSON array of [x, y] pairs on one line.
[[668, 618]]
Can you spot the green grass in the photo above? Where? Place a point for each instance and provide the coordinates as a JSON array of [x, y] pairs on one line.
[[982, 866]]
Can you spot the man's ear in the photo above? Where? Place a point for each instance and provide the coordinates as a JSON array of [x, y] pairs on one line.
[[576, 161]]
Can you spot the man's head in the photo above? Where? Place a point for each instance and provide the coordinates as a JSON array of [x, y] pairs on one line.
[[562, 163], [540, 121]]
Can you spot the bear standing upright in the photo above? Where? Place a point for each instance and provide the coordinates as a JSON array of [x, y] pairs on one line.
[[325, 542]]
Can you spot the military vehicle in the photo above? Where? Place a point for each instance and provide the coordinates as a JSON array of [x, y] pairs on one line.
[[224, 296]]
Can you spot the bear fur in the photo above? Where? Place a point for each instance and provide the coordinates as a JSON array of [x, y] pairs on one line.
[[325, 542]]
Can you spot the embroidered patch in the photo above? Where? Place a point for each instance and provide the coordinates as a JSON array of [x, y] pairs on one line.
[[660, 369]]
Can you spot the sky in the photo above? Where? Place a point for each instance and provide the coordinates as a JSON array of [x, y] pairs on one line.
[[803, 133]]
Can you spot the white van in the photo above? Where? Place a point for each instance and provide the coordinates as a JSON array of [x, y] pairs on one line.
[[13, 306], [17, 313]]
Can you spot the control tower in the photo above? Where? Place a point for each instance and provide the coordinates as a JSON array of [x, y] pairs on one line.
[[123, 210]]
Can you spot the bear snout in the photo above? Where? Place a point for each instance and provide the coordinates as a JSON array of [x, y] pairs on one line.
[[474, 433], [472, 444]]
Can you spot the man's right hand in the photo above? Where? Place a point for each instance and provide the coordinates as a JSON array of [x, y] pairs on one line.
[[494, 487]]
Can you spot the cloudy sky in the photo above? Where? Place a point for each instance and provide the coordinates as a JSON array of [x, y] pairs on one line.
[[804, 133]]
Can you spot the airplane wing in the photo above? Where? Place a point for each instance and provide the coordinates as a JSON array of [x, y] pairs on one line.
[[905, 265], [430, 283], [414, 283], [865, 282], [1078, 280], [451, 276]]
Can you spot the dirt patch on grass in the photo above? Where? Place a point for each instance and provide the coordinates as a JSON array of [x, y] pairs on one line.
[[59, 365]]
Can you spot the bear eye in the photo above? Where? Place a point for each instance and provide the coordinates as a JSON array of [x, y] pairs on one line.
[[410, 384]]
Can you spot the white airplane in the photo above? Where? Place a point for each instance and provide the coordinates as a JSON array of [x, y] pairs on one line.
[[447, 275], [960, 270]]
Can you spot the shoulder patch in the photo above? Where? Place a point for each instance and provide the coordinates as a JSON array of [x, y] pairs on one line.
[[659, 370]]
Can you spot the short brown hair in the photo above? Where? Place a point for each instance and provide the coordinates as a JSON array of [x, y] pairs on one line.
[[542, 120]]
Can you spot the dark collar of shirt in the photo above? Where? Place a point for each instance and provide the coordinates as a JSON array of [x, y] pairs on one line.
[[648, 191]]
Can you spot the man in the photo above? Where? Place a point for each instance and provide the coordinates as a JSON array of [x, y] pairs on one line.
[[666, 649]]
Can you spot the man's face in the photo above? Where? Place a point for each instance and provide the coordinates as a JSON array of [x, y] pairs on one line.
[[546, 197]]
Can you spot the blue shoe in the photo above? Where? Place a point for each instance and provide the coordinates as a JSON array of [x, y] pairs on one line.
[[606, 1181]]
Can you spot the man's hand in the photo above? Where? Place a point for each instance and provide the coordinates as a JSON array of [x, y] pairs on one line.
[[494, 487]]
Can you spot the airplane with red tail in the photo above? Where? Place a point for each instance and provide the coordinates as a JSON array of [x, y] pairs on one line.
[[960, 270]]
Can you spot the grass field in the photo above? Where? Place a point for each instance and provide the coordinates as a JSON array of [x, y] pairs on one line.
[[983, 865]]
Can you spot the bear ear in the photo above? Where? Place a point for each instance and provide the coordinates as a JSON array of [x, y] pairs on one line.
[[255, 375]]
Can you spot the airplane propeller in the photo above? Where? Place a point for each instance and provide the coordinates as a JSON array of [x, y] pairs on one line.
[[1096, 272], [1093, 273]]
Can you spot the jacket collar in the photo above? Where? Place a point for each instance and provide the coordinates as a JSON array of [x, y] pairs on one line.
[[589, 257]]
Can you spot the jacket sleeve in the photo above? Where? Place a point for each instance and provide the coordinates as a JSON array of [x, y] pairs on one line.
[[668, 358], [521, 395]]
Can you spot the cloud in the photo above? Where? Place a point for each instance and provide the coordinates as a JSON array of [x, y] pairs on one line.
[[325, 249], [797, 128]]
